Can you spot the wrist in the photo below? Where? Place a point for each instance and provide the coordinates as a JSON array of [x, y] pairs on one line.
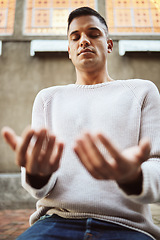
[[133, 187], [37, 181]]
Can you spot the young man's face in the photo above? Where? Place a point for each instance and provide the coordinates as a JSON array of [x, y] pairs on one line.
[[88, 43]]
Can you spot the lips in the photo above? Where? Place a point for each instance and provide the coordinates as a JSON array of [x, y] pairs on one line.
[[85, 51]]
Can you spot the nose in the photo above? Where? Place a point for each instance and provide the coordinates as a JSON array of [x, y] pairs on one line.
[[84, 41]]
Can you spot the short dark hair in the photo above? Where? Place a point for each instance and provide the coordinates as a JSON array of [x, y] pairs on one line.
[[84, 11]]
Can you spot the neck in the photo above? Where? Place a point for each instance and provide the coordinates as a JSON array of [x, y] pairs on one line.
[[91, 78]]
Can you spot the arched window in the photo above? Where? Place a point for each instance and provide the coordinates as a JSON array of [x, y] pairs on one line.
[[49, 17], [133, 16], [7, 14]]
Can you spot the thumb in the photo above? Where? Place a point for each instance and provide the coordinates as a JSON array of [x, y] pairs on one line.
[[10, 137], [145, 146]]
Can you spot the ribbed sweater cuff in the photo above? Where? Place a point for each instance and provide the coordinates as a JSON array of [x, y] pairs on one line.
[[149, 194], [38, 193]]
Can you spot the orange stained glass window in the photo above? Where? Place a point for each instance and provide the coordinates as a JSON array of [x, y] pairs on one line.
[[133, 16], [7, 14], [49, 17]]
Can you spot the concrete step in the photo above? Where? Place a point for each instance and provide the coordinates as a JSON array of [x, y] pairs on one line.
[[12, 194]]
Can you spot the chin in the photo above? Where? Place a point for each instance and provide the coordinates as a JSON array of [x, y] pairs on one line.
[[88, 62], [88, 67]]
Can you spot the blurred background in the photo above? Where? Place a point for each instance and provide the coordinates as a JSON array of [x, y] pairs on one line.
[[33, 56]]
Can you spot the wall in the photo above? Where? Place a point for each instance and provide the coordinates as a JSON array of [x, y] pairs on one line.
[[22, 76], [135, 65]]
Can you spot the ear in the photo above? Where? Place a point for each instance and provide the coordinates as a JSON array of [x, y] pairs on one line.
[[69, 52], [110, 45]]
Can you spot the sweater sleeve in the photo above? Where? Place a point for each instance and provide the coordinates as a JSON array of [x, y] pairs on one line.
[[150, 127], [38, 122]]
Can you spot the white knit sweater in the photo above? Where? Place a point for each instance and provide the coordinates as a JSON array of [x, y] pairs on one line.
[[123, 110]]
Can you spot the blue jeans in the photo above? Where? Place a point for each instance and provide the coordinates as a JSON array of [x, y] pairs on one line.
[[57, 228]]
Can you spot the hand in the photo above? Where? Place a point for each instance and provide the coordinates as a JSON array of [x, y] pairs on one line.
[[41, 158], [123, 167]]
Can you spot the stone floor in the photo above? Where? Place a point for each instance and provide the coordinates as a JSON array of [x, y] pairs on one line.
[[14, 222]]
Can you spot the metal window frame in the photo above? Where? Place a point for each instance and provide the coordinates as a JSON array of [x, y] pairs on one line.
[[138, 46], [133, 34], [51, 15], [6, 20], [48, 46]]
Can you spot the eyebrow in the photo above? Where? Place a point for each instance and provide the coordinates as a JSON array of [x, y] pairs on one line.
[[91, 28], [94, 28], [74, 32]]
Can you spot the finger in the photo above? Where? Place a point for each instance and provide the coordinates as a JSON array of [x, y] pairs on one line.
[[145, 148], [10, 137], [99, 160], [100, 164], [56, 157], [35, 161], [49, 147], [37, 149], [83, 157], [112, 149], [23, 147]]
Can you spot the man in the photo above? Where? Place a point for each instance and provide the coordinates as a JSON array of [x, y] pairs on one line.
[[97, 179]]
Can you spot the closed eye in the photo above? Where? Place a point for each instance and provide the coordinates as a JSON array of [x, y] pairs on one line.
[[75, 37], [94, 32], [94, 35]]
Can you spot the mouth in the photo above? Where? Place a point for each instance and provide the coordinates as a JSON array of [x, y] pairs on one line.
[[85, 51]]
